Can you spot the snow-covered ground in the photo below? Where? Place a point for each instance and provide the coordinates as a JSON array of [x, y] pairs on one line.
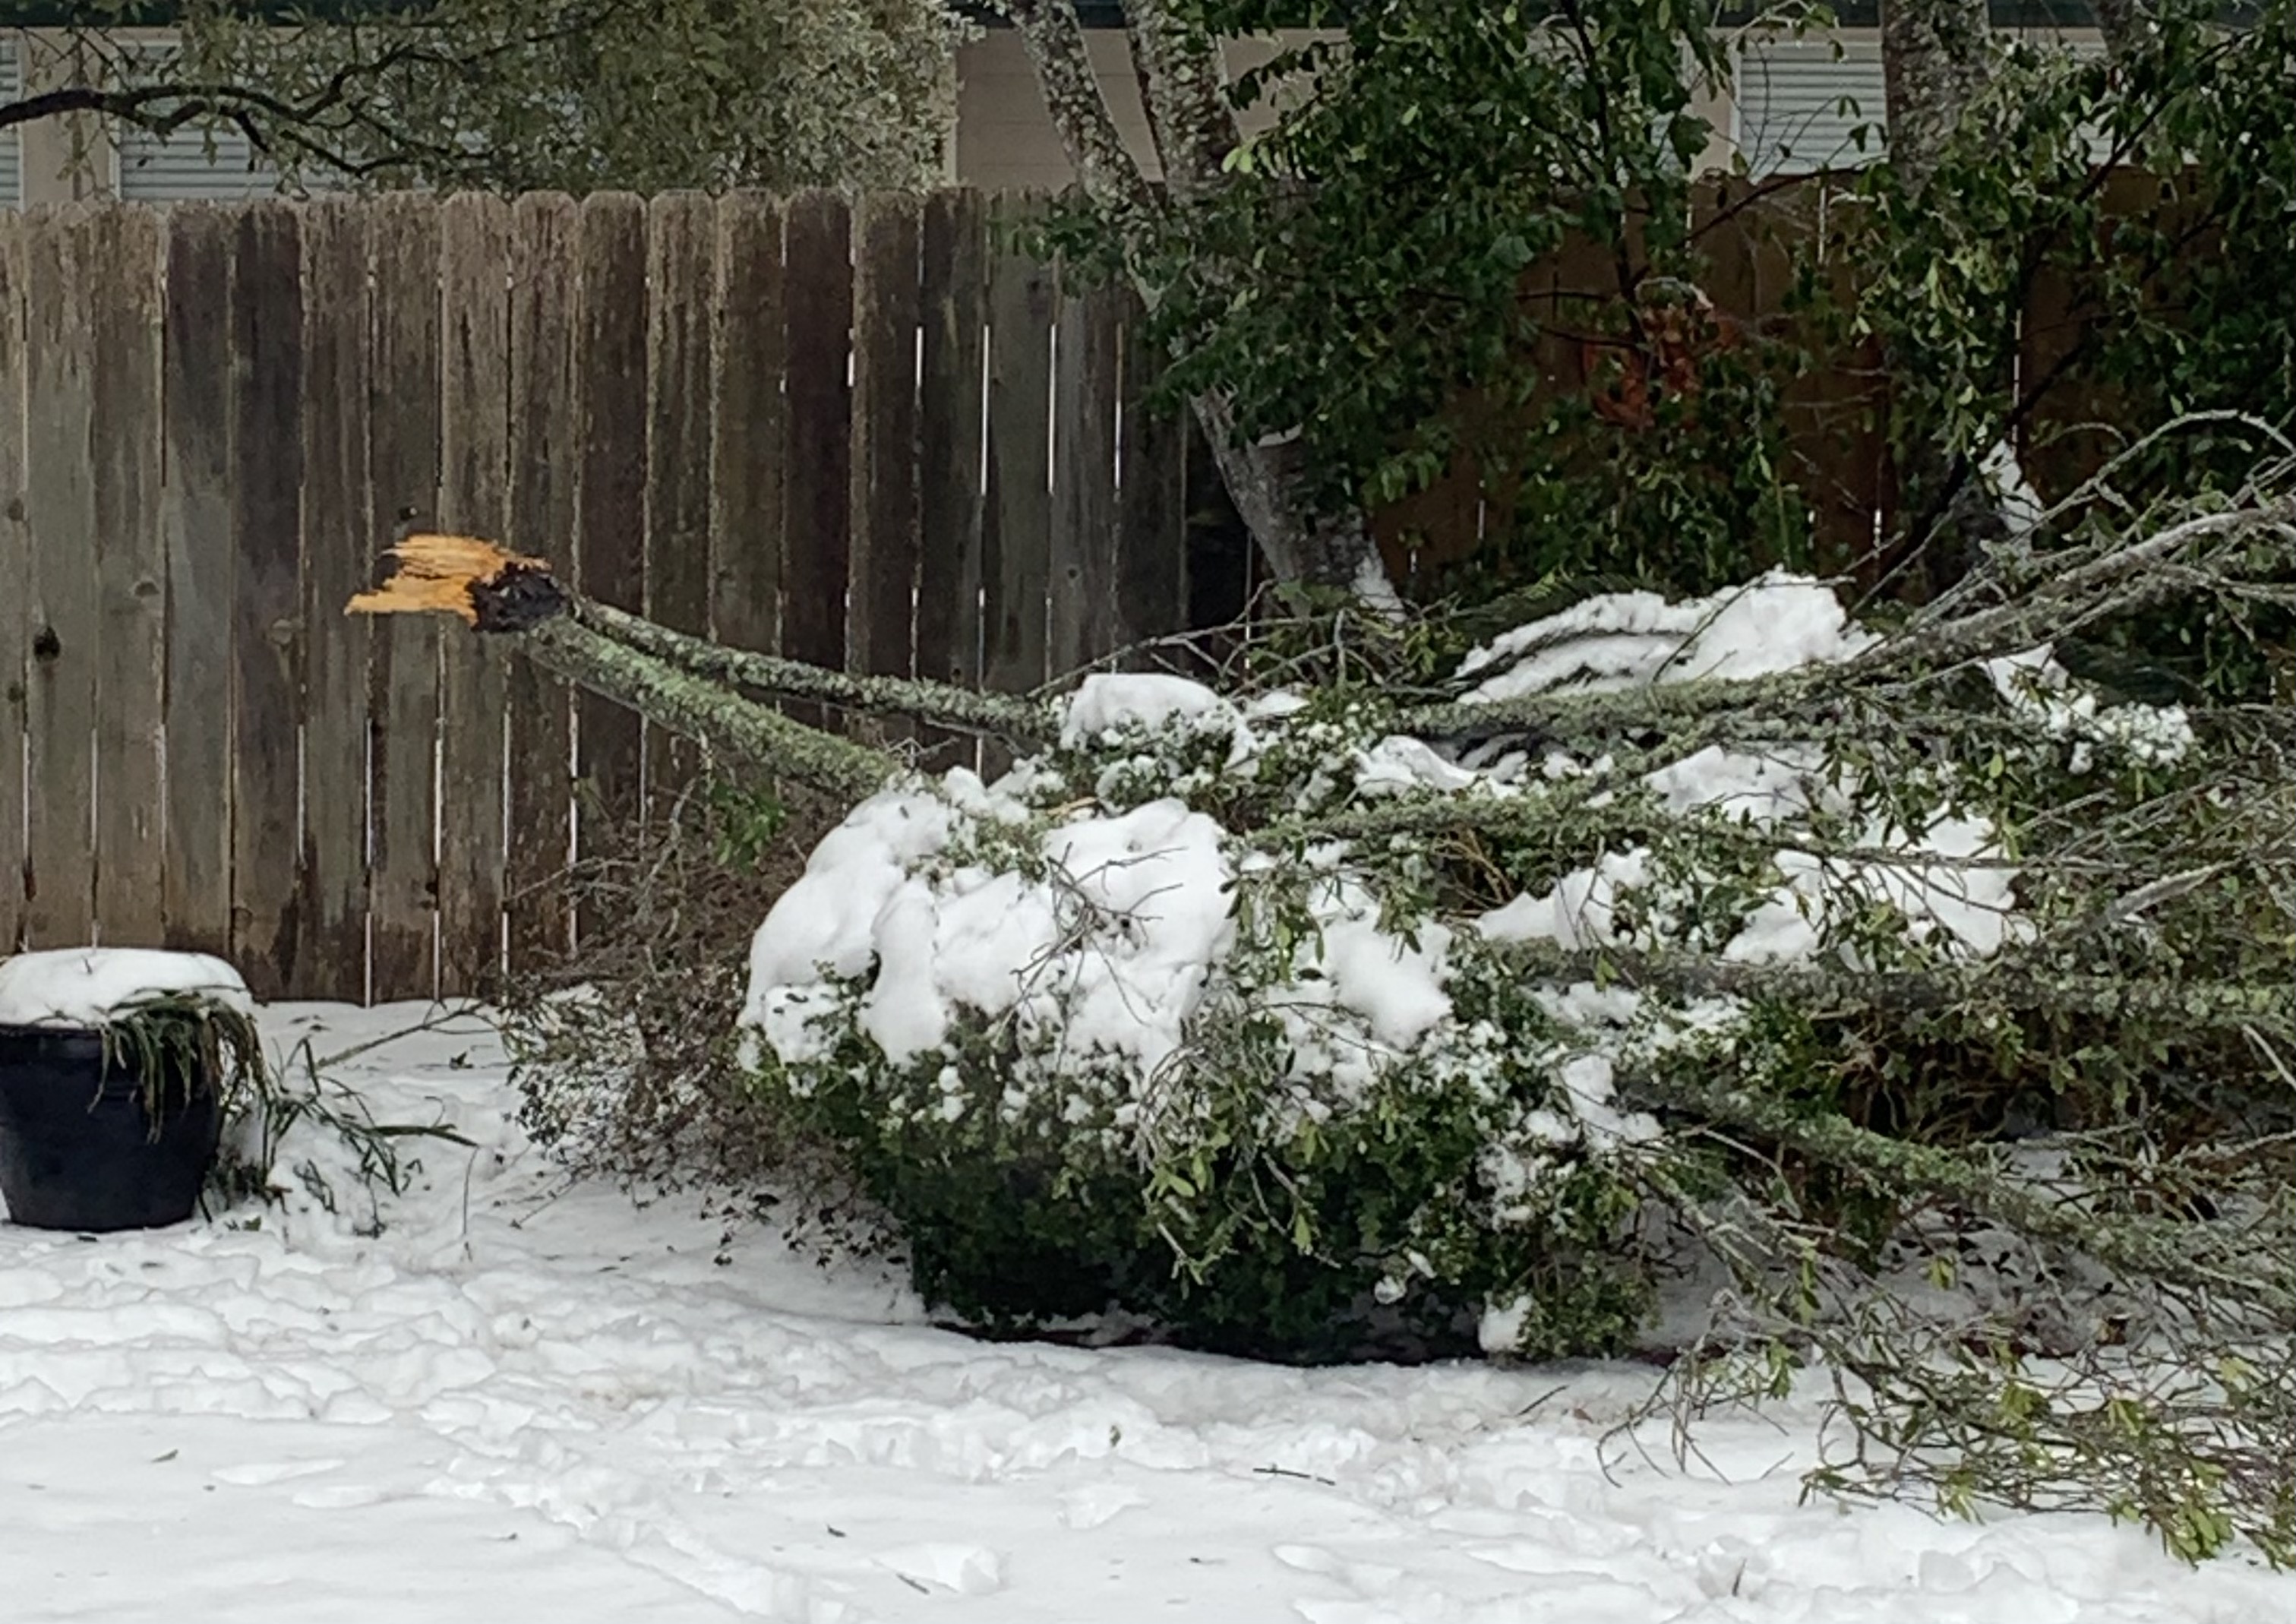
[[526, 1401]]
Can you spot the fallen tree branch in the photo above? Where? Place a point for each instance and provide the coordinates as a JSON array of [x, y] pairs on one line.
[[2077, 589], [741, 732], [2194, 1005], [495, 592], [2146, 1249], [1016, 721]]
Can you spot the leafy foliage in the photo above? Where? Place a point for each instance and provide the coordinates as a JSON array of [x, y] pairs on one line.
[[538, 94], [1362, 279], [2099, 255], [181, 1046], [1261, 1194], [372, 1159]]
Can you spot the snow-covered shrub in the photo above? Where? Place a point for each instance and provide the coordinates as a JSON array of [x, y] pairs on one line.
[[1290, 1021]]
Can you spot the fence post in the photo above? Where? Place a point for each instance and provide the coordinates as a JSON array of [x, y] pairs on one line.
[[268, 635], [474, 499], [338, 557]]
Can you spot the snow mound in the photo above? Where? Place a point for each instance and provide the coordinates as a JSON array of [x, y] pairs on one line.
[[87, 986], [1622, 640], [2036, 685], [1109, 703]]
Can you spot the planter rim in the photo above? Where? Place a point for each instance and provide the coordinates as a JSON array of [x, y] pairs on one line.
[[113, 1078]]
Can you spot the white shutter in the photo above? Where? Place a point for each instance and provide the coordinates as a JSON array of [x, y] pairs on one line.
[[1801, 105], [11, 150]]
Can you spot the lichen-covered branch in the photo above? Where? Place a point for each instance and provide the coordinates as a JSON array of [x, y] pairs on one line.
[[2012, 606], [2119, 21], [2187, 1004], [498, 593], [1182, 83], [1016, 721], [2168, 1251], [1934, 61], [741, 732], [1095, 149]]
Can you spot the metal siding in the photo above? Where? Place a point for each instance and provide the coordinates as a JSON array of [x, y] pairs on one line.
[[190, 165], [12, 150], [1791, 115], [195, 164]]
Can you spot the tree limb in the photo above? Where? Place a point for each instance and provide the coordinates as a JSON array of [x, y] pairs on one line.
[[1016, 721], [741, 732], [2006, 609], [496, 592], [2145, 1249], [1055, 45], [1182, 83], [1934, 61], [2191, 1005], [2119, 21]]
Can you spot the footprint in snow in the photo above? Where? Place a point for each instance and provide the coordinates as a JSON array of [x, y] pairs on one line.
[[1094, 1503], [969, 1569], [254, 1474]]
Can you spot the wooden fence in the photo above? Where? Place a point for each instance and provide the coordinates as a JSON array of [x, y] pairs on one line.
[[868, 434], [873, 434]]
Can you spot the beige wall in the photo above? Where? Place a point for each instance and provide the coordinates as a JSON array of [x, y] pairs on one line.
[[1004, 138]]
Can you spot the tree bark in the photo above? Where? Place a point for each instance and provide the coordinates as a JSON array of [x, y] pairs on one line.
[[1180, 76], [1022, 723], [1312, 549], [1055, 41], [1934, 63], [2118, 20], [1181, 82], [739, 731]]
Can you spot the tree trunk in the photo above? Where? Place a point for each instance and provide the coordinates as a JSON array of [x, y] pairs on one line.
[[1302, 545], [2118, 20], [1934, 61], [1181, 81]]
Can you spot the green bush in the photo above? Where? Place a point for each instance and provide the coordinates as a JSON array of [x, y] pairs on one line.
[[1302, 1039]]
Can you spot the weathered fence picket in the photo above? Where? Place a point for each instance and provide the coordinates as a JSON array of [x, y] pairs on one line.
[[877, 433]]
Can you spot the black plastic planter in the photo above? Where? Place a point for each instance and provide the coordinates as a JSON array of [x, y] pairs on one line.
[[77, 1149]]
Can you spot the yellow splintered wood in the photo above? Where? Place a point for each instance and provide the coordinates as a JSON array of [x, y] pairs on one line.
[[435, 576]]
